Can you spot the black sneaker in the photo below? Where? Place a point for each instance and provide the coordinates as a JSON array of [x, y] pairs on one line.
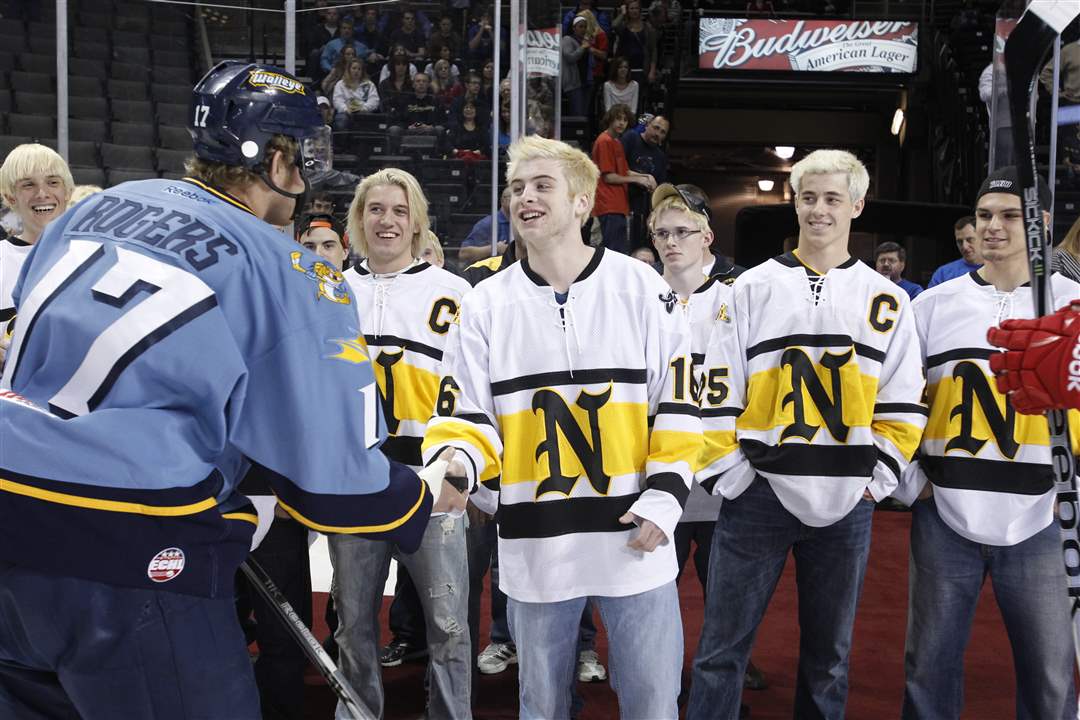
[[399, 651]]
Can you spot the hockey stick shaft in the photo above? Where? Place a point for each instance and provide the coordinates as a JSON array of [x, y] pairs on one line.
[[308, 642], [1027, 48]]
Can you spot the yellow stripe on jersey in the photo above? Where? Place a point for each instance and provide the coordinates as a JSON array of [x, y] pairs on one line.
[[247, 517], [718, 444], [356, 529], [415, 389], [905, 437], [673, 446], [107, 505], [445, 431], [527, 454], [959, 414], [491, 263], [772, 404]]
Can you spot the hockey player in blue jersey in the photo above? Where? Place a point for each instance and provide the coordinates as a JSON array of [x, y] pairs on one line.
[[166, 342]]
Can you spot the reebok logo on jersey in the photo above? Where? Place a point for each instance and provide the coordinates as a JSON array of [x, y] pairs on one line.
[[1074, 369], [166, 565], [276, 81]]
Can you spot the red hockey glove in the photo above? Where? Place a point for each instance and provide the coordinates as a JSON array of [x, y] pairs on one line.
[[1041, 368]]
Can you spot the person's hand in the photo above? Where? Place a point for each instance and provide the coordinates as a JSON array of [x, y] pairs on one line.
[[451, 500], [867, 495], [647, 181], [648, 536], [927, 491], [1041, 369], [448, 498]]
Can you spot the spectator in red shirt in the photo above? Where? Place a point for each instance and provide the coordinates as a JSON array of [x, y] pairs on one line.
[[612, 201]]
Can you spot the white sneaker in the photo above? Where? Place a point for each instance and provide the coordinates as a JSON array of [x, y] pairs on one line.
[[496, 657], [589, 668]]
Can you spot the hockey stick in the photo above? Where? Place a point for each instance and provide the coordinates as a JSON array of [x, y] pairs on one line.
[[1025, 52], [310, 644]]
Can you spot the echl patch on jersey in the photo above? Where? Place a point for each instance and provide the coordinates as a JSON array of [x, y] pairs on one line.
[[331, 283], [166, 565]]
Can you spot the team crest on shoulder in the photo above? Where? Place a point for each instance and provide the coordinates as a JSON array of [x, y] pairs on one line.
[[669, 300], [330, 281]]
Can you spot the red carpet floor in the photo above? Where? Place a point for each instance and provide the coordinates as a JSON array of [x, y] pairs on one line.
[[877, 662]]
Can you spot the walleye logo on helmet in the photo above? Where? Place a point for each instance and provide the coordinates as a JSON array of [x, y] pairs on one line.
[[276, 81]]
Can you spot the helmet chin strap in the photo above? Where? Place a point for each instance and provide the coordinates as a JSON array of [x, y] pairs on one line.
[[299, 197]]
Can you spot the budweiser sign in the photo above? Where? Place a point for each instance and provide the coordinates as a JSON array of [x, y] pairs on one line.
[[808, 45]]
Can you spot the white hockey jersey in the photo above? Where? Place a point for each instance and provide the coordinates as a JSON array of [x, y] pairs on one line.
[[571, 415], [707, 307], [989, 465], [405, 318], [826, 388], [13, 252]]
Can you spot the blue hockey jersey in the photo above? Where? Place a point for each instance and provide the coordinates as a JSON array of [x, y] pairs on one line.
[[167, 338]]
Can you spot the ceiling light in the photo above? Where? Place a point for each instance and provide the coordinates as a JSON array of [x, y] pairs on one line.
[[765, 185], [785, 152]]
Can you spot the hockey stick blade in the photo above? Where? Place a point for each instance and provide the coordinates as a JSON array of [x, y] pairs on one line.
[[1026, 50], [308, 642]]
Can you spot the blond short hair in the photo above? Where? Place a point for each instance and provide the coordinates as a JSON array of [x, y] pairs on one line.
[[81, 192], [579, 170], [418, 207], [674, 202], [431, 240], [31, 159], [824, 162]]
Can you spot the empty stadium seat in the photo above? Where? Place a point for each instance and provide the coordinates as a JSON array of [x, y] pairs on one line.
[[31, 81], [36, 62], [36, 126], [175, 114], [81, 152], [92, 130], [88, 175], [96, 69], [133, 133], [130, 38], [172, 57], [132, 54], [5, 101], [172, 161], [91, 50], [7, 60], [129, 71], [88, 108], [12, 26], [174, 138], [127, 90], [10, 142], [84, 86], [132, 110], [165, 93], [95, 19], [127, 157], [175, 75], [42, 44], [35, 103]]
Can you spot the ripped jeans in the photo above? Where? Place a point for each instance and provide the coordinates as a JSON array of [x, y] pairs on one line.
[[439, 569]]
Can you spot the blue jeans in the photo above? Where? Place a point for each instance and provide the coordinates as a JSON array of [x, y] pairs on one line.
[[74, 648], [753, 536], [613, 232], [645, 652], [440, 572], [946, 574]]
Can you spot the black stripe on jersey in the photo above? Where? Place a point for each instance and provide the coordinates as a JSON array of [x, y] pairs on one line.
[[967, 473], [404, 449], [563, 517], [565, 377], [790, 259], [675, 408], [671, 483], [959, 354], [890, 462], [901, 408], [789, 341], [475, 418], [800, 459], [161, 497], [404, 343], [594, 262], [721, 412]]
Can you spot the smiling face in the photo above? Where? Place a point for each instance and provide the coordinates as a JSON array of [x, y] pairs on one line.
[[38, 200], [999, 228], [388, 227], [541, 207], [325, 243], [825, 210], [680, 253]]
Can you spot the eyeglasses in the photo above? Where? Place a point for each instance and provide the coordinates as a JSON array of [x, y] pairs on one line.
[[680, 233]]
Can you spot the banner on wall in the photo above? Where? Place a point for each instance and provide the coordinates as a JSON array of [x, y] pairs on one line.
[[542, 52], [875, 46]]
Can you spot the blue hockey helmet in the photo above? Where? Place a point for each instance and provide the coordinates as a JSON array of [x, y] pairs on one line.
[[238, 106]]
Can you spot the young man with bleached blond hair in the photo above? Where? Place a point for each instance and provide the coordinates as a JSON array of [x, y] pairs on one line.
[[823, 414], [408, 307], [567, 415]]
